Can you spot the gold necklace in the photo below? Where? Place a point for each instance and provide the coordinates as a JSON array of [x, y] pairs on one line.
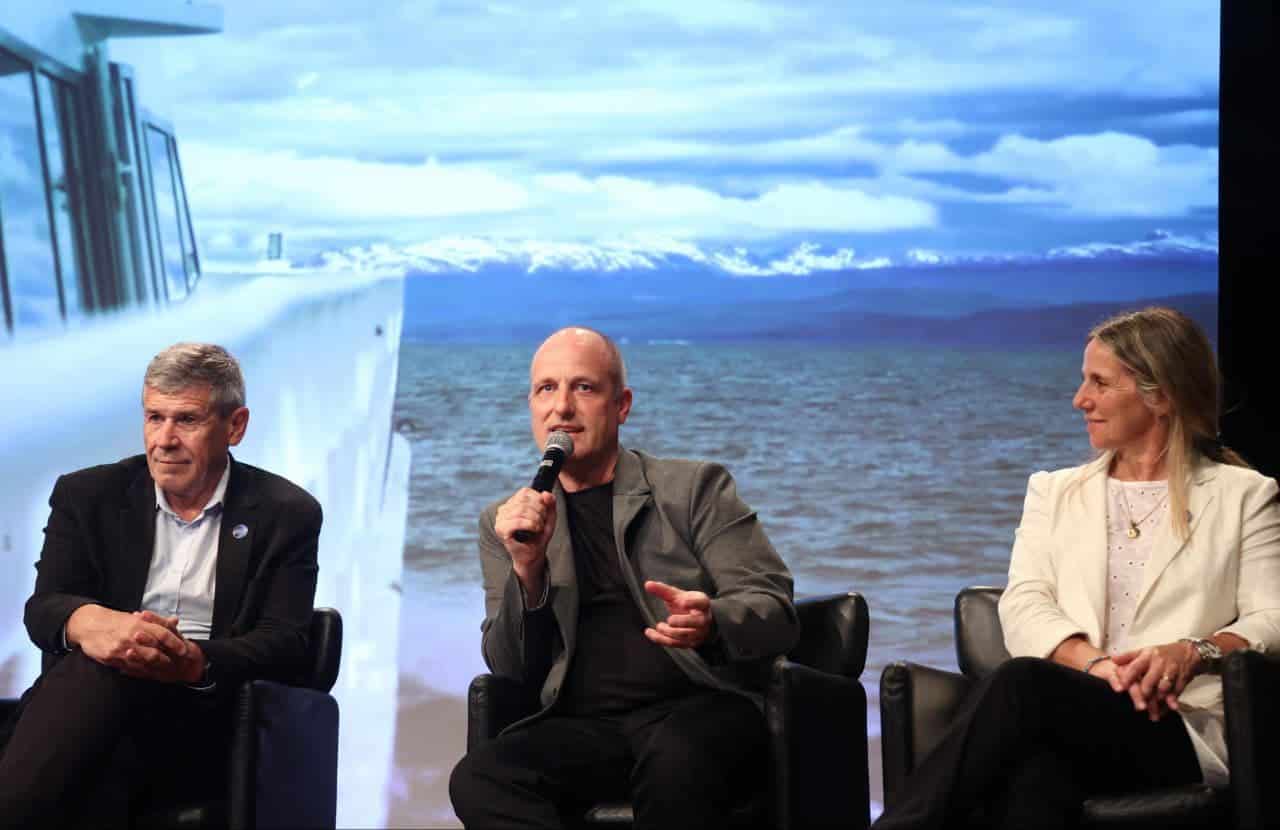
[[1132, 531]]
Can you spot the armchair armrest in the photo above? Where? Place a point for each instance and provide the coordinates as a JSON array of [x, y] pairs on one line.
[[917, 704], [818, 736], [285, 747], [493, 704], [833, 633], [325, 650], [1251, 687]]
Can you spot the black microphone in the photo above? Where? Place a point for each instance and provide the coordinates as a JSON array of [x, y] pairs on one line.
[[559, 447]]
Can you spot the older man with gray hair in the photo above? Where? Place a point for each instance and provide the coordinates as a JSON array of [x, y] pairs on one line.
[[164, 579]]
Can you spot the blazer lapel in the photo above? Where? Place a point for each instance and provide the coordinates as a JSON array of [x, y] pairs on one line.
[[236, 541], [1167, 543], [631, 495], [564, 576], [137, 538], [1091, 567]]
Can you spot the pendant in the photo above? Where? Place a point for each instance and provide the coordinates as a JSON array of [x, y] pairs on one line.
[[1133, 532]]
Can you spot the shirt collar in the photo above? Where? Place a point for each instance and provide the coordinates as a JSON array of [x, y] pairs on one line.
[[219, 493]]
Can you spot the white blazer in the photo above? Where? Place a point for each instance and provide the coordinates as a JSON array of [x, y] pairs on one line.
[[1224, 578]]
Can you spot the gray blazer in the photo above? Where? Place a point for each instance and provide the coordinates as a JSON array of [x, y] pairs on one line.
[[676, 521]]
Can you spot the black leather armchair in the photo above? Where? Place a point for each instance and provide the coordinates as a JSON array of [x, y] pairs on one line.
[[284, 749], [817, 717], [917, 704]]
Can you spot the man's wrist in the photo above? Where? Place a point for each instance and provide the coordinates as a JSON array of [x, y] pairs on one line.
[[198, 671], [73, 628], [534, 584], [541, 600]]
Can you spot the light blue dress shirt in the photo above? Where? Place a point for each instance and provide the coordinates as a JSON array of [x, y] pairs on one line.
[[183, 572]]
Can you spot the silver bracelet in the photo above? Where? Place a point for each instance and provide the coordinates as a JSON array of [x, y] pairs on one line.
[[1093, 661]]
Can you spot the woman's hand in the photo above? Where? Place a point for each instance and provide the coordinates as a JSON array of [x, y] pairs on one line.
[[1108, 671], [1155, 676]]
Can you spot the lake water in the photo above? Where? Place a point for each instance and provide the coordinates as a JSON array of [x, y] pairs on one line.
[[896, 473]]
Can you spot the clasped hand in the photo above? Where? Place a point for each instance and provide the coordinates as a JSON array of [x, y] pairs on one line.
[[141, 644], [1153, 677]]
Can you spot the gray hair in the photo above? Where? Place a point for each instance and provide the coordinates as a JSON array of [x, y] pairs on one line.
[[184, 365]]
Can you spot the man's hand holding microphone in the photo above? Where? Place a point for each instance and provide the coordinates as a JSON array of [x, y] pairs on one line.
[[526, 521]]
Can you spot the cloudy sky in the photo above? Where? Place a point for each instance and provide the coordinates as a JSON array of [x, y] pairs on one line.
[[838, 132]]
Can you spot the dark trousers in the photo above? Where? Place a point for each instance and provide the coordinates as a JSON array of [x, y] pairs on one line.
[[1031, 743], [681, 764], [91, 745]]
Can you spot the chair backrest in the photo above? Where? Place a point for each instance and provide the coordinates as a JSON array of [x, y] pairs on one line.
[[979, 638], [324, 653], [833, 633]]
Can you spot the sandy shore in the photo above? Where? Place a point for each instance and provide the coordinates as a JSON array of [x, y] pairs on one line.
[[431, 735]]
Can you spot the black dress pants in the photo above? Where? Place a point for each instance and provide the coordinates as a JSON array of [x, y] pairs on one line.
[[91, 745], [682, 764], [1031, 743]]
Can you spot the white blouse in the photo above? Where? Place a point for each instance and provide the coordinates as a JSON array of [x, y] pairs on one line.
[[1146, 505]]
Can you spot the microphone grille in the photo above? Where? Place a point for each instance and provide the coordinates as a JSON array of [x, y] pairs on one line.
[[562, 441]]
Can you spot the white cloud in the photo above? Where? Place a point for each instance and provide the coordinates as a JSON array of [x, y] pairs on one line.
[[818, 206], [1107, 174], [845, 143], [313, 199], [691, 212], [331, 189], [1103, 174], [717, 120], [557, 76], [318, 200], [995, 30]]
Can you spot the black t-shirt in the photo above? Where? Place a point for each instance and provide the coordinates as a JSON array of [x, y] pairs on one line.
[[615, 668]]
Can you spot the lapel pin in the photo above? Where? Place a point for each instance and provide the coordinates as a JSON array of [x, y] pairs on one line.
[[239, 531]]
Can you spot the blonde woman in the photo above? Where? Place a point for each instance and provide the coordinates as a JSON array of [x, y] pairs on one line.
[[1131, 578]]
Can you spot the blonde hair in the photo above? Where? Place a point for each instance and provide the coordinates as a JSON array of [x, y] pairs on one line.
[[1168, 354]]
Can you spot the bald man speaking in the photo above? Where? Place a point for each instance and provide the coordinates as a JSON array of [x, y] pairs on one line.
[[643, 599]]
